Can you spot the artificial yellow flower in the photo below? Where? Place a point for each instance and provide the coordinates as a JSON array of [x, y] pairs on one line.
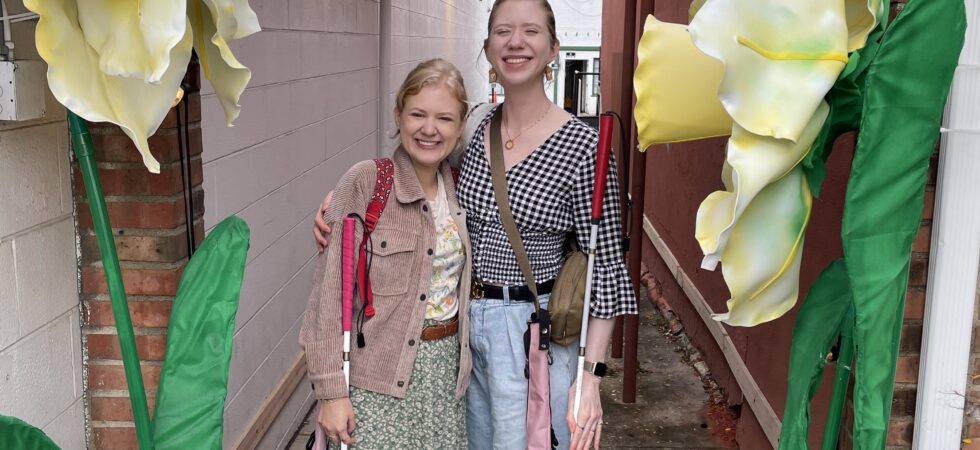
[[77, 80], [779, 59], [123, 61], [761, 263], [685, 111], [780, 56]]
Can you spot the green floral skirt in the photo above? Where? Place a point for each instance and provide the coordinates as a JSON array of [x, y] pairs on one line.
[[429, 417]]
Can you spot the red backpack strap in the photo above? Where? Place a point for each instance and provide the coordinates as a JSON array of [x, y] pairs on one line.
[[382, 190], [455, 172]]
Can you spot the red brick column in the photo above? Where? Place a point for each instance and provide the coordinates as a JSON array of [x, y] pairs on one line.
[[147, 213]]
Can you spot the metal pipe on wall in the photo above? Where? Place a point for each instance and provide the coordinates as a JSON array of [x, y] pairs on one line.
[[948, 324], [384, 74]]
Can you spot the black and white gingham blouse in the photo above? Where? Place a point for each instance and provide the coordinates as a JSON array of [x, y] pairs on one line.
[[550, 194]]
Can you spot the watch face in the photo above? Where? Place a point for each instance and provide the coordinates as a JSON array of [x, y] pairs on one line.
[[600, 369]]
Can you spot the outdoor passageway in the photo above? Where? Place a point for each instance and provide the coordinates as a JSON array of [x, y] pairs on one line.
[[672, 409]]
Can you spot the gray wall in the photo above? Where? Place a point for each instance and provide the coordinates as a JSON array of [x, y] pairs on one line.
[[40, 342]]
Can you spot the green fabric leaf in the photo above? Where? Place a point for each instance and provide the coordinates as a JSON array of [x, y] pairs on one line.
[[15, 434], [817, 326], [907, 83], [194, 379]]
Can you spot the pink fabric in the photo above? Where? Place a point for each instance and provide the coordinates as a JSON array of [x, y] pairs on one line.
[[538, 395], [320, 437], [347, 272]]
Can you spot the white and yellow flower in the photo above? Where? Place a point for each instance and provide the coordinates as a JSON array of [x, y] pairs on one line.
[[123, 61], [775, 60]]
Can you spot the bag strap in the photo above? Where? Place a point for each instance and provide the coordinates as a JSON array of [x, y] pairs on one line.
[[382, 190], [503, 205], [507, 220]]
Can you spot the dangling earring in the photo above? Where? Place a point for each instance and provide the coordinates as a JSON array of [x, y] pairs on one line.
[[493, 75], [549, 73]]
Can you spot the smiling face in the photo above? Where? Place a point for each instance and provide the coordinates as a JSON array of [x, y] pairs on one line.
[[430, 124], [520, 43]]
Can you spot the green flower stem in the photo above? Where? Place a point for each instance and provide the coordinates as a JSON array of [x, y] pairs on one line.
[[842, 374], [82, 143]]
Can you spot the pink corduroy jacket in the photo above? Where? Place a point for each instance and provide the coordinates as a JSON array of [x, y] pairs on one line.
[[401, 270]]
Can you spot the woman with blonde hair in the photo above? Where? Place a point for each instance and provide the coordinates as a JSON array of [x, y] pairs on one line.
[[411, 367]]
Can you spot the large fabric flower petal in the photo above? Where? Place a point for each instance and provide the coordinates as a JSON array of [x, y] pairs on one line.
[[77, 81], [755, 162], [228, 77], [133, 39], [862, 17], [781, 58], [761, 263], [234, 19], [676, 88]]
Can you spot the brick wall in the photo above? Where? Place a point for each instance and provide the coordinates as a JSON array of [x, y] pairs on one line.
[[149, 221]]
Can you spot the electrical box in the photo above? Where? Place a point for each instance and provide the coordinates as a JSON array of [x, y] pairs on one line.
[[22, 90]]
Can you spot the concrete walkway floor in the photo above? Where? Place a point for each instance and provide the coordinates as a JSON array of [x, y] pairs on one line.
[[670, 407]]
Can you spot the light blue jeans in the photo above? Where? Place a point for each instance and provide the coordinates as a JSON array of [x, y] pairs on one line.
[[496, 400]]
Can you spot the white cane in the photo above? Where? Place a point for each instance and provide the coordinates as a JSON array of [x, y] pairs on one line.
[[602, 166]]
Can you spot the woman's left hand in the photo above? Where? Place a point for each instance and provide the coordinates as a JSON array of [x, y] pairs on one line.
[[587, 430]]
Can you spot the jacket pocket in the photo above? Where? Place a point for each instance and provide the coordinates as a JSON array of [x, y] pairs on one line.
[[393, 261]]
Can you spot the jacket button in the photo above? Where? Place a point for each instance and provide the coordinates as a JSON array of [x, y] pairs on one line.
[[422, 297], [401, 383], [411, 342], [425, 208], [429, 252], [384, 244]]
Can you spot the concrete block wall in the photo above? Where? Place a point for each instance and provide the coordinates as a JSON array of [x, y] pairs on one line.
[[309, 113], [450, 29], [40, 347]]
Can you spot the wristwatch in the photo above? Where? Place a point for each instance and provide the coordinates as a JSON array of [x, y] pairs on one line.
[[595, 368]]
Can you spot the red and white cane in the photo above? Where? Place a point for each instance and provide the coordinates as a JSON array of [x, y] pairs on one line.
[[347, 293], [346, 312], [602, 166]]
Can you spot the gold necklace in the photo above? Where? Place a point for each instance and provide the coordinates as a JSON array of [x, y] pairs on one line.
[[509, 143]]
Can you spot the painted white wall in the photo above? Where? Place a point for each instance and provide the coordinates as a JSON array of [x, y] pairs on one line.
[[450, 29], [578, 22], [40, 345], [309, 113]]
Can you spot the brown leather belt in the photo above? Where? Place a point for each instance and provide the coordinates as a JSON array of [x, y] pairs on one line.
[[441, 331]]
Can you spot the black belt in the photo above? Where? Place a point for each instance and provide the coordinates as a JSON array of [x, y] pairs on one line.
[[515, 293]]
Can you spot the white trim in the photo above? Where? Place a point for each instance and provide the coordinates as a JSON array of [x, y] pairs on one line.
[[763, 411], [947, 331]]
